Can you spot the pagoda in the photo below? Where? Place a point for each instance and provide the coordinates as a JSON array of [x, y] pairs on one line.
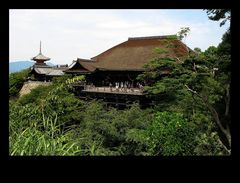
[[40, 59], [40, 71]]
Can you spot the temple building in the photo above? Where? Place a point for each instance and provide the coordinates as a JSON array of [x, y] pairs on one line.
[[114, 72], [125, 61], [41, 71]]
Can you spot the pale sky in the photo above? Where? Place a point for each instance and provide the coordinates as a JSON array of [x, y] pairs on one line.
[[70, 34]]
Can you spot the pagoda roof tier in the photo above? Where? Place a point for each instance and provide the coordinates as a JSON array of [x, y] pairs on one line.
[[40, 56]]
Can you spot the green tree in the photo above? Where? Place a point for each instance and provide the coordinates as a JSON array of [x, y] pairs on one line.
[[199, 86], [219, 14], [224, 61], [197, 50], [191, 87], [16, 81], [170, 134], [183, 33]]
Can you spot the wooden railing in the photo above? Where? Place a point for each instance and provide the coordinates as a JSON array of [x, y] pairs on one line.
[[113, 90], [108, 89]]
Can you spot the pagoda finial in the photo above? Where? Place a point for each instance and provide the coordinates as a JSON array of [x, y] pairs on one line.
[[40, 47]]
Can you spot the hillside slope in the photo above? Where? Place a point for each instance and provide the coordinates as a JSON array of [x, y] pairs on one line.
[[28, 86]]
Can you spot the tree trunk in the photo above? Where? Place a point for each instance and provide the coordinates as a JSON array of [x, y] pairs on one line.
[[226, 131], [214, 113], [227, 100], [194, 67]]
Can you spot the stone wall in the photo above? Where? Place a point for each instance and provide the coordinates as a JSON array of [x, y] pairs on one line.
[[29, 85]]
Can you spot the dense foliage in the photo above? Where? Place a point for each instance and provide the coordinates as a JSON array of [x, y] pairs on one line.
[[16, 81], [198, 88], [61, 124], [52, 121]]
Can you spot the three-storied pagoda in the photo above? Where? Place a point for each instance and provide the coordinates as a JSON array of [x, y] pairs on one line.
[[43, 72]]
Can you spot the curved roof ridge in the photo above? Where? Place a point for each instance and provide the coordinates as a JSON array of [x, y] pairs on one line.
[[85, 60], [150, 37], [93, 58], [131, 39]]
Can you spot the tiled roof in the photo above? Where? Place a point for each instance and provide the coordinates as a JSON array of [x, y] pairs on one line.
[[50, 71], [55, 73], [40, 56], [81, 66], [40, 70]]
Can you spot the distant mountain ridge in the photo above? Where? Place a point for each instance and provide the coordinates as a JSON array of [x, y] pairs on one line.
[[20, 65]]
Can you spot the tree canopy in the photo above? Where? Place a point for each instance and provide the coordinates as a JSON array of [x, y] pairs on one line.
[[222, 15]]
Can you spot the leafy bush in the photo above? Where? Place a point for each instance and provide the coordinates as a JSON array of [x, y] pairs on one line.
[[16, 81], [109, 127], [36, 95], [170, 134], [210, 145]]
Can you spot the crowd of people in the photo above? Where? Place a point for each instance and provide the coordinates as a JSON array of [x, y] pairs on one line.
[[122, 86]]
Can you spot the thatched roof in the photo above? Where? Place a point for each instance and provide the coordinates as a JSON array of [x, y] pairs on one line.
[[134, 53]]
